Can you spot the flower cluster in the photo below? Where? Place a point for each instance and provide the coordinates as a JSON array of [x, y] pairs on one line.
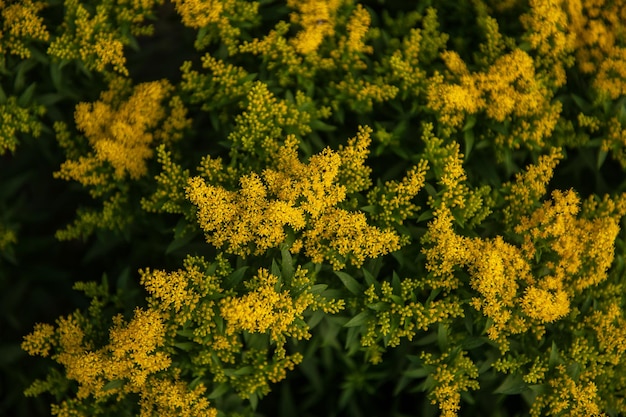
[[301, 196], [21, 24]]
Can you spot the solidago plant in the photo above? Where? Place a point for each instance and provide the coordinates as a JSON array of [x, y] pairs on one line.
[[371, 208]]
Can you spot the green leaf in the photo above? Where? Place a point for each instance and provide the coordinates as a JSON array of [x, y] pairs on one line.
[[358, 320], [369, 278], [27, 96], [186, 346], [442, 337], [116, 383], [185, 333], [49, 99], [352, 341], [318, 288], [468, 138], [322, 127], [395, 283], [275, 269], [379, 306], [601, 158], [315, 319], [470, 343], [287, 264], [416, 373], [469, 123], [513, 384], [425, 215], [180, 241], [555, 358], [220, 390], [57, 76], [254, 401], [235, 278], [350, 283]]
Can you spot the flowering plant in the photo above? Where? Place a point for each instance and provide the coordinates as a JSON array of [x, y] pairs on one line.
[[324, 207]]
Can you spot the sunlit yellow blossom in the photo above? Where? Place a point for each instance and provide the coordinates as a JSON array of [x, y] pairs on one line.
[[357, 28], [316, 18], [509, 87], [497, 270], [448, 250], [546, 24], [302, 196], [167, 398], [120, 136], [557, 222], [199, 13], [545, 306], [265, 309], [598, 27], [530, 186]]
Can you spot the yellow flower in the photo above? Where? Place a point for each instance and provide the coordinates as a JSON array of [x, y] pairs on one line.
[[301, 196], [357, 28], [545, 306], [20, 23], [265, 309], [316, 17], [119, 134]]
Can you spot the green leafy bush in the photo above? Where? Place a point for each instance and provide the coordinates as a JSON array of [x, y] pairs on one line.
[[312, 207]]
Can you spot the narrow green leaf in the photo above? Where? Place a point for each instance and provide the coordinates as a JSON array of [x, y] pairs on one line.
[[469, 123], [275, 269], [116, 383], [318, 288], [235, 278], [57, 76], [358, 320], [322, 127], [442, 337], [416, 373], [350, 283], [555, 358], [513, 384], [220, 390], [27, 96], [601, 158], [180, 242], [468, 138], [287, 264], [425, 215], [369, 278], [254, 401], [186, 346], [379, 306], [315, 319], [185, 333]]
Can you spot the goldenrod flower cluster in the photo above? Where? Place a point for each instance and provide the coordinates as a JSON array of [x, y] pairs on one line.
[[303, 197], [15, 118], [21, 23]]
